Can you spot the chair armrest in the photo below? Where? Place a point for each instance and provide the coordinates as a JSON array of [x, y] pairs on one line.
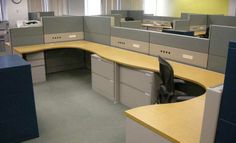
[[183, 98], [177, 81]]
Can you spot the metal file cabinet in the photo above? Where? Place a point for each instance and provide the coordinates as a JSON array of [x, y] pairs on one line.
[[103, 76], [137, 87], [37, 66]]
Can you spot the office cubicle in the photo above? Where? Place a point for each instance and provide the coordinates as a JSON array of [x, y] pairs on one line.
[[62, 28], [185, 49], [219, 39], [130, 39]]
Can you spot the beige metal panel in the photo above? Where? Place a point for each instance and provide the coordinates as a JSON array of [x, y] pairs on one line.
[[132, 97], [139, 79], [133, 45], [103, 86], [38, 74], [211, 112], [37, 63], [35, 56], [64, 67], [60, 37], [136, 133], [180, 55], [102, 67]]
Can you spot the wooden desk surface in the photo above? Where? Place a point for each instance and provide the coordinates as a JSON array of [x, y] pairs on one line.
[[179, 122], [156, 26]]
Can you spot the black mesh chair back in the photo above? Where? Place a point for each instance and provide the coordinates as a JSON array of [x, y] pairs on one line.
[[167, 75]]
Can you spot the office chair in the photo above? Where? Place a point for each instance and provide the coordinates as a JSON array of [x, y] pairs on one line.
[[168, 93]]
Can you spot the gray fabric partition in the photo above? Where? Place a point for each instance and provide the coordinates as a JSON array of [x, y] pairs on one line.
[[180, 41], [136, 14], [26, 36], [131, 24], [218, 51], [222, 20], [128, 33], [123, 13], [197, 19], [98, 29], [62, 24], [181, 25]]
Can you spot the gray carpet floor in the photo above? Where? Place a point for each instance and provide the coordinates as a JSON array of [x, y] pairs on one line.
[[69, 111]]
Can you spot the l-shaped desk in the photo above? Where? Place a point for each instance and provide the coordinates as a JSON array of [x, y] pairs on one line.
[[177, 122]]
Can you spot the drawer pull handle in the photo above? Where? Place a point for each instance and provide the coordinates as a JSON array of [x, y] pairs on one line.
[[147, 94], [147, 74]]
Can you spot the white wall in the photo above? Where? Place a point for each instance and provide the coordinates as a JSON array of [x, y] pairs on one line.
[[232, 7], [16, 11]]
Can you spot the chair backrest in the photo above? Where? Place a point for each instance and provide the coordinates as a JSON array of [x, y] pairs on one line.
[[167, 75]]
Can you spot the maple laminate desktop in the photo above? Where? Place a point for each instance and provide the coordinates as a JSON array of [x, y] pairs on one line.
[[177, 122]]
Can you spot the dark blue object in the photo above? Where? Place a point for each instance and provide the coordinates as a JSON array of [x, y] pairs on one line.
[[226, 128], [187, 33], [18, 120]]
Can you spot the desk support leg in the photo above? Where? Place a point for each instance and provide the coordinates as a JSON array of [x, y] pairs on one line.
[[117, 83]]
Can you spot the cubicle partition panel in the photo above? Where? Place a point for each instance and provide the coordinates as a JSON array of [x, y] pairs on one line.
[[131, 24], [219, 39], [130, 39], [26, 36], [181, 25], [98, 29], [31, 36], [185, 49], [123, 13], [136, 14], [197, 22], [63, 28], [221, 20]]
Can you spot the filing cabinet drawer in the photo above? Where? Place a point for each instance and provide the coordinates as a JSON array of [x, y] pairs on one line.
[[102, 67], [37, 63], [132, 97], [38, 74], [103, 86], [139, 79], [35, 56]]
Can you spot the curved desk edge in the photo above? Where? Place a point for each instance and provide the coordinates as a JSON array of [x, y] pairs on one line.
[[197, 75]]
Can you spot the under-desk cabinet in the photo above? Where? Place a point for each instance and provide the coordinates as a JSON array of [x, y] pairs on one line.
[[37, 66], [137, 87], [103, 76]]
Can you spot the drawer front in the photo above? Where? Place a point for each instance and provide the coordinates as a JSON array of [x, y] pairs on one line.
[[102, 67], [37, 63], [35, 56], [132, 45], [132, 97], [103, 86], [139, 79], [38, 74]]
